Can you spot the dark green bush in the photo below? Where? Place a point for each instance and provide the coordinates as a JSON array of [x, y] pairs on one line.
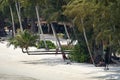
[[78, 54], [49, 44]]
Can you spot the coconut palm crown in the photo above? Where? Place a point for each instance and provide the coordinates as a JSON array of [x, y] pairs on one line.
[[23, 40]]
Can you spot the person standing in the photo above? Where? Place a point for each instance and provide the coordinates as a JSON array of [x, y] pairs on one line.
[[107, 57]]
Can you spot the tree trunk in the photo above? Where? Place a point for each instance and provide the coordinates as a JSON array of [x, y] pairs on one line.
[[19, 9], [55, 35], [48, 28], [32, 23], [66, 31], [68, 36], [39, 25], [13, 24], [19, 17], [84, 33], [75, 34], [59, 45]]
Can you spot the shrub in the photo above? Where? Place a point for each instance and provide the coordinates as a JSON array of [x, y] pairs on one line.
[[67, 47], [23, 40], [49, 44], [78, 54]]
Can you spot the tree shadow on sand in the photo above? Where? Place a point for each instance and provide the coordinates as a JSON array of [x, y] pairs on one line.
[[15, 77], [45, 61], [113, 74]]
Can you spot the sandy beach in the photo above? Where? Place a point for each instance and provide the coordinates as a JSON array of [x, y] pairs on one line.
[[15, 65]]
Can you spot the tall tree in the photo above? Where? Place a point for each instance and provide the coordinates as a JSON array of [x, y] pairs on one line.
[[9, 3], [17, 5], [55, 8], [36, 4], [80, 10]]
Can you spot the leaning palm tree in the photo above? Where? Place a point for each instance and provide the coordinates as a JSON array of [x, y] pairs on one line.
[[59, 44], [18, 13], [53, 13], [23, 40], [78, 10]]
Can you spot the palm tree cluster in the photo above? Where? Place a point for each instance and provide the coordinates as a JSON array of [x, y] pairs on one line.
[[96, 20]]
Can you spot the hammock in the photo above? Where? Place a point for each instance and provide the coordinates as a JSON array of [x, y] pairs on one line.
[[46, 52], [116, 61]]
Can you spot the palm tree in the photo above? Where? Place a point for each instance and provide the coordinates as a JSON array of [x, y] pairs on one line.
[[9, 4], [23, 40], [13, 23], [36, 4], [78, 10], [18, 13], [59, 44], [106, 22], [55, 10], [39, 24]]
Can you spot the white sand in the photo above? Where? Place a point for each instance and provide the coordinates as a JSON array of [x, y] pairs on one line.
[[15, 65]]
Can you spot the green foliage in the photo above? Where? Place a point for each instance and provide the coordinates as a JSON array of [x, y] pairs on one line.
[[79, 54], [67, 47], [23, 40], [50, 45], [100, 18]]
